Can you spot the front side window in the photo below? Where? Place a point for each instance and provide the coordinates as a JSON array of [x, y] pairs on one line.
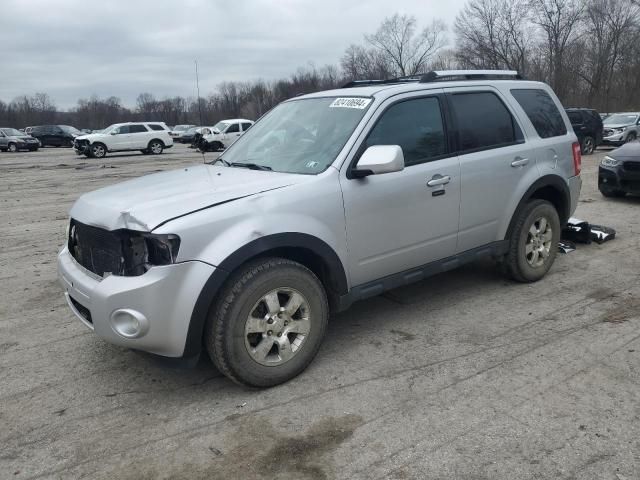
[[121, 130], [541, 110], [416, 126], [299, 136], [483, 121], [233, 128], [575, 117], [137, 129], [245, 126]]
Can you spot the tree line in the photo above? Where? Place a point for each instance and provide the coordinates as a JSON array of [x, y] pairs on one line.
[[587, 50]]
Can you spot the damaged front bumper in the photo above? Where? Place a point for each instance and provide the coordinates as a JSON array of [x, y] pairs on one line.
[[150, 312]]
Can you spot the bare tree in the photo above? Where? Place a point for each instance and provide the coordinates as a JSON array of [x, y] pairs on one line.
[[559, 20], [493, 34], [407, 52]]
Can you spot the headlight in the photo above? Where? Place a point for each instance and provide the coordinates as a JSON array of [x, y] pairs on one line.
[[162, 249], [607, 161]]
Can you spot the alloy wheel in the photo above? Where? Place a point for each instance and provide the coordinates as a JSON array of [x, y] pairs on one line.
[[538, 245], [277, 326]]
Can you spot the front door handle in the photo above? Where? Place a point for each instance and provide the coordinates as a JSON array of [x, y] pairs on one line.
[[519, 162], [438, 180]]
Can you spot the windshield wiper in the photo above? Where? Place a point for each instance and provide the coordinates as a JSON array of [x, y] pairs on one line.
[[250, 166]]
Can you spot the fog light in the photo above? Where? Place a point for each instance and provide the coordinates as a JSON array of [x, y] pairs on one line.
[[129, 323]]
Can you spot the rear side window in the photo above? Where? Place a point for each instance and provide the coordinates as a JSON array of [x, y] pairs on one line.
[[155, 126], [542, 111], [416, 126], [483, 121], [137, 129]]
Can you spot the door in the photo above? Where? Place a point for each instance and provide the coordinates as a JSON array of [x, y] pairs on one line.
[[578, 124], [57, 136], [494, 160], [120, 138], [138, 137], [401, 220], [231, 134]]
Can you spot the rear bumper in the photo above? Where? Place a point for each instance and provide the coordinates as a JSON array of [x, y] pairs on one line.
[[163, 298]]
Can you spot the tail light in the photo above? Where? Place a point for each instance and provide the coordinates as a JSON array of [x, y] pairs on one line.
[[577, 158]]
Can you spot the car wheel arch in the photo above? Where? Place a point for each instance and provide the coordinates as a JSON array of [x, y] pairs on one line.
[[552, 188], [306, 249]]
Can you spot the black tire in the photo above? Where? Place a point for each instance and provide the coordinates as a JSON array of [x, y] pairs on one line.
[[12, 147], [225, 337], [517, 262], [612, 193], [155, 147], [588, 145], [631, 138], [216, 146], [97, 150]]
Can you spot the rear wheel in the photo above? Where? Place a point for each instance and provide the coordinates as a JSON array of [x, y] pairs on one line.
[[268, 324], [155, 147], [534, 242], [588, 145]]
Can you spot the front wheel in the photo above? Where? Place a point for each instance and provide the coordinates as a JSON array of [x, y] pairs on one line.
[[268, 323], [98, 150], [631, 138], [12, 148], [534, 242]]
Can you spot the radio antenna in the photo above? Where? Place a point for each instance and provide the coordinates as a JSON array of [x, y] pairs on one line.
[[199, 104]]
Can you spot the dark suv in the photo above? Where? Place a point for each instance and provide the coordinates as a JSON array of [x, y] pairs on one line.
[[587, 124], [55, 135]]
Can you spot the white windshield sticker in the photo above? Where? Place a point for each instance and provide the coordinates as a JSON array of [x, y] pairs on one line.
[[359, 103]]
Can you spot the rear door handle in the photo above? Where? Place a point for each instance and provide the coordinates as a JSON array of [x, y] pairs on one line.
[[519, 162], [438, 180]]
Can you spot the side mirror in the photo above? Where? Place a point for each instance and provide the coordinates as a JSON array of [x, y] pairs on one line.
[[379, 159], [113, 132]]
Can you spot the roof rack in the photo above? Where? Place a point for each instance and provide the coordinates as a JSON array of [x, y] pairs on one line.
[[449, 75], [441, 76]]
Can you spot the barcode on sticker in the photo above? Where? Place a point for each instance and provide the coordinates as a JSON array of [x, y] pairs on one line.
[[354, 102]]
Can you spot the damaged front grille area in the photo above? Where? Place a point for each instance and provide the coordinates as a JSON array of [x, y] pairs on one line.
[[120, 252]]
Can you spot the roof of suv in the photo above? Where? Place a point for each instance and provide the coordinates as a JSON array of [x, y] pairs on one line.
[[389, 90]]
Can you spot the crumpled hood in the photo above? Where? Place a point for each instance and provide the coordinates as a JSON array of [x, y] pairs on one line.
[[617, 125], [146, 202], [91, 136]]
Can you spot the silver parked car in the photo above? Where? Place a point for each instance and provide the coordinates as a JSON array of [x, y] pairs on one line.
[[12, 140], [621, 128], [331, 198]]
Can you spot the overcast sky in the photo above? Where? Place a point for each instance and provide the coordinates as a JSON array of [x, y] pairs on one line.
[[75, 48]]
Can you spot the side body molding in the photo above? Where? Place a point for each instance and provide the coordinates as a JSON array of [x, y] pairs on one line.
[[335, 275]]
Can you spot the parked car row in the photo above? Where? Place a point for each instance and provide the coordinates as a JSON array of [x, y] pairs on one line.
[[594, 129]]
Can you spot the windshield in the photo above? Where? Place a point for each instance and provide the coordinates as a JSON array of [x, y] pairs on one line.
[[181, 128], [109, 128], [69, 129], [12, 132], [220, 126], [300, 136], [621, 119]]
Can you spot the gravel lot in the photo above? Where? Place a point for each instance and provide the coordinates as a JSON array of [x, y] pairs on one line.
[[466, 375]]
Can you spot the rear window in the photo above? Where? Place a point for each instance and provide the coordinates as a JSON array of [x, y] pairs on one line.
[[483, 121], [542, 111], [155, 126]]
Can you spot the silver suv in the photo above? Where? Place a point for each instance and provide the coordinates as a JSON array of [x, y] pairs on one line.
[[330, 198]]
